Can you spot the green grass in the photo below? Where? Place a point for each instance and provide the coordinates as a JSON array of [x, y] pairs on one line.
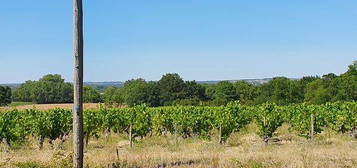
[[14, 104]]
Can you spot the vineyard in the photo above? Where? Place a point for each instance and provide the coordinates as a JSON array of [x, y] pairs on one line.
[[16, 126]]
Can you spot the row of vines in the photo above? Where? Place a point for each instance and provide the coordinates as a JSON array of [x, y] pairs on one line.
[[16, 126]]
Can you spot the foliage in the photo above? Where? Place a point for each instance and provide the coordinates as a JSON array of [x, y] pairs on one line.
[[170, 88], [113, 96], [135, 92], [268, 118], [193, 90], [49, 89], [224, 92], [232, 118], [24, 92], [185, 121], [246, 92], [92, 124], [280, 90], [11, 129], [5, 95], [90, 95]]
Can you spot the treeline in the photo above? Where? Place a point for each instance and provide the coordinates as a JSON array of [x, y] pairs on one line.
[[49, 89], [52, 89], [171, 89]]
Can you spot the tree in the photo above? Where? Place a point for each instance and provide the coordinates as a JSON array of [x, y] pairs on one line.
[[5, 95], [24, 92], [210, 90], [135, 92], [113, 96], [280, 90], [246, 92], [108, 96], [52, 89], [352, 69], [49, 89], [153, 93], [193, 90], [347, 85], [90, 95], [171, 88], [55, 78], [302, 84], [346, 88], [317, 93], [224, 93], [329, 76]]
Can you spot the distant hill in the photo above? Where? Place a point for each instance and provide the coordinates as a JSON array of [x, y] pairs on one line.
[[12, 85], [101, 86], [114, 84], [252, 81], [120, 84]]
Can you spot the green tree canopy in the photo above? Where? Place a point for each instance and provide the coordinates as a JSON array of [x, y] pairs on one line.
[[317, 92], [25, 92], [193, 90], [135, 92], [91, 95], [108, 95], [280, 90], [171, 88], [352, 69], [5, 95], [246, 92], [153, 93], [224, 93], [49, 89]]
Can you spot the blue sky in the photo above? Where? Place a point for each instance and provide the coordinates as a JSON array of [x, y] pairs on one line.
[[199, 39]]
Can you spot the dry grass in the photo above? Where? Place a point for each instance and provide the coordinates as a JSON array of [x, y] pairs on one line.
[[245, 149], [68, 106], [52, 106]]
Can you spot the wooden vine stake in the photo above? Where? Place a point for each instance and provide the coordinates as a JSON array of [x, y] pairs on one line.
[[312, 122], [220, 134], [117, 151], [131, 134], [176, 139]]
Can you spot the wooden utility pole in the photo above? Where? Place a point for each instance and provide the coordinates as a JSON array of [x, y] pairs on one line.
[[78, 84]]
